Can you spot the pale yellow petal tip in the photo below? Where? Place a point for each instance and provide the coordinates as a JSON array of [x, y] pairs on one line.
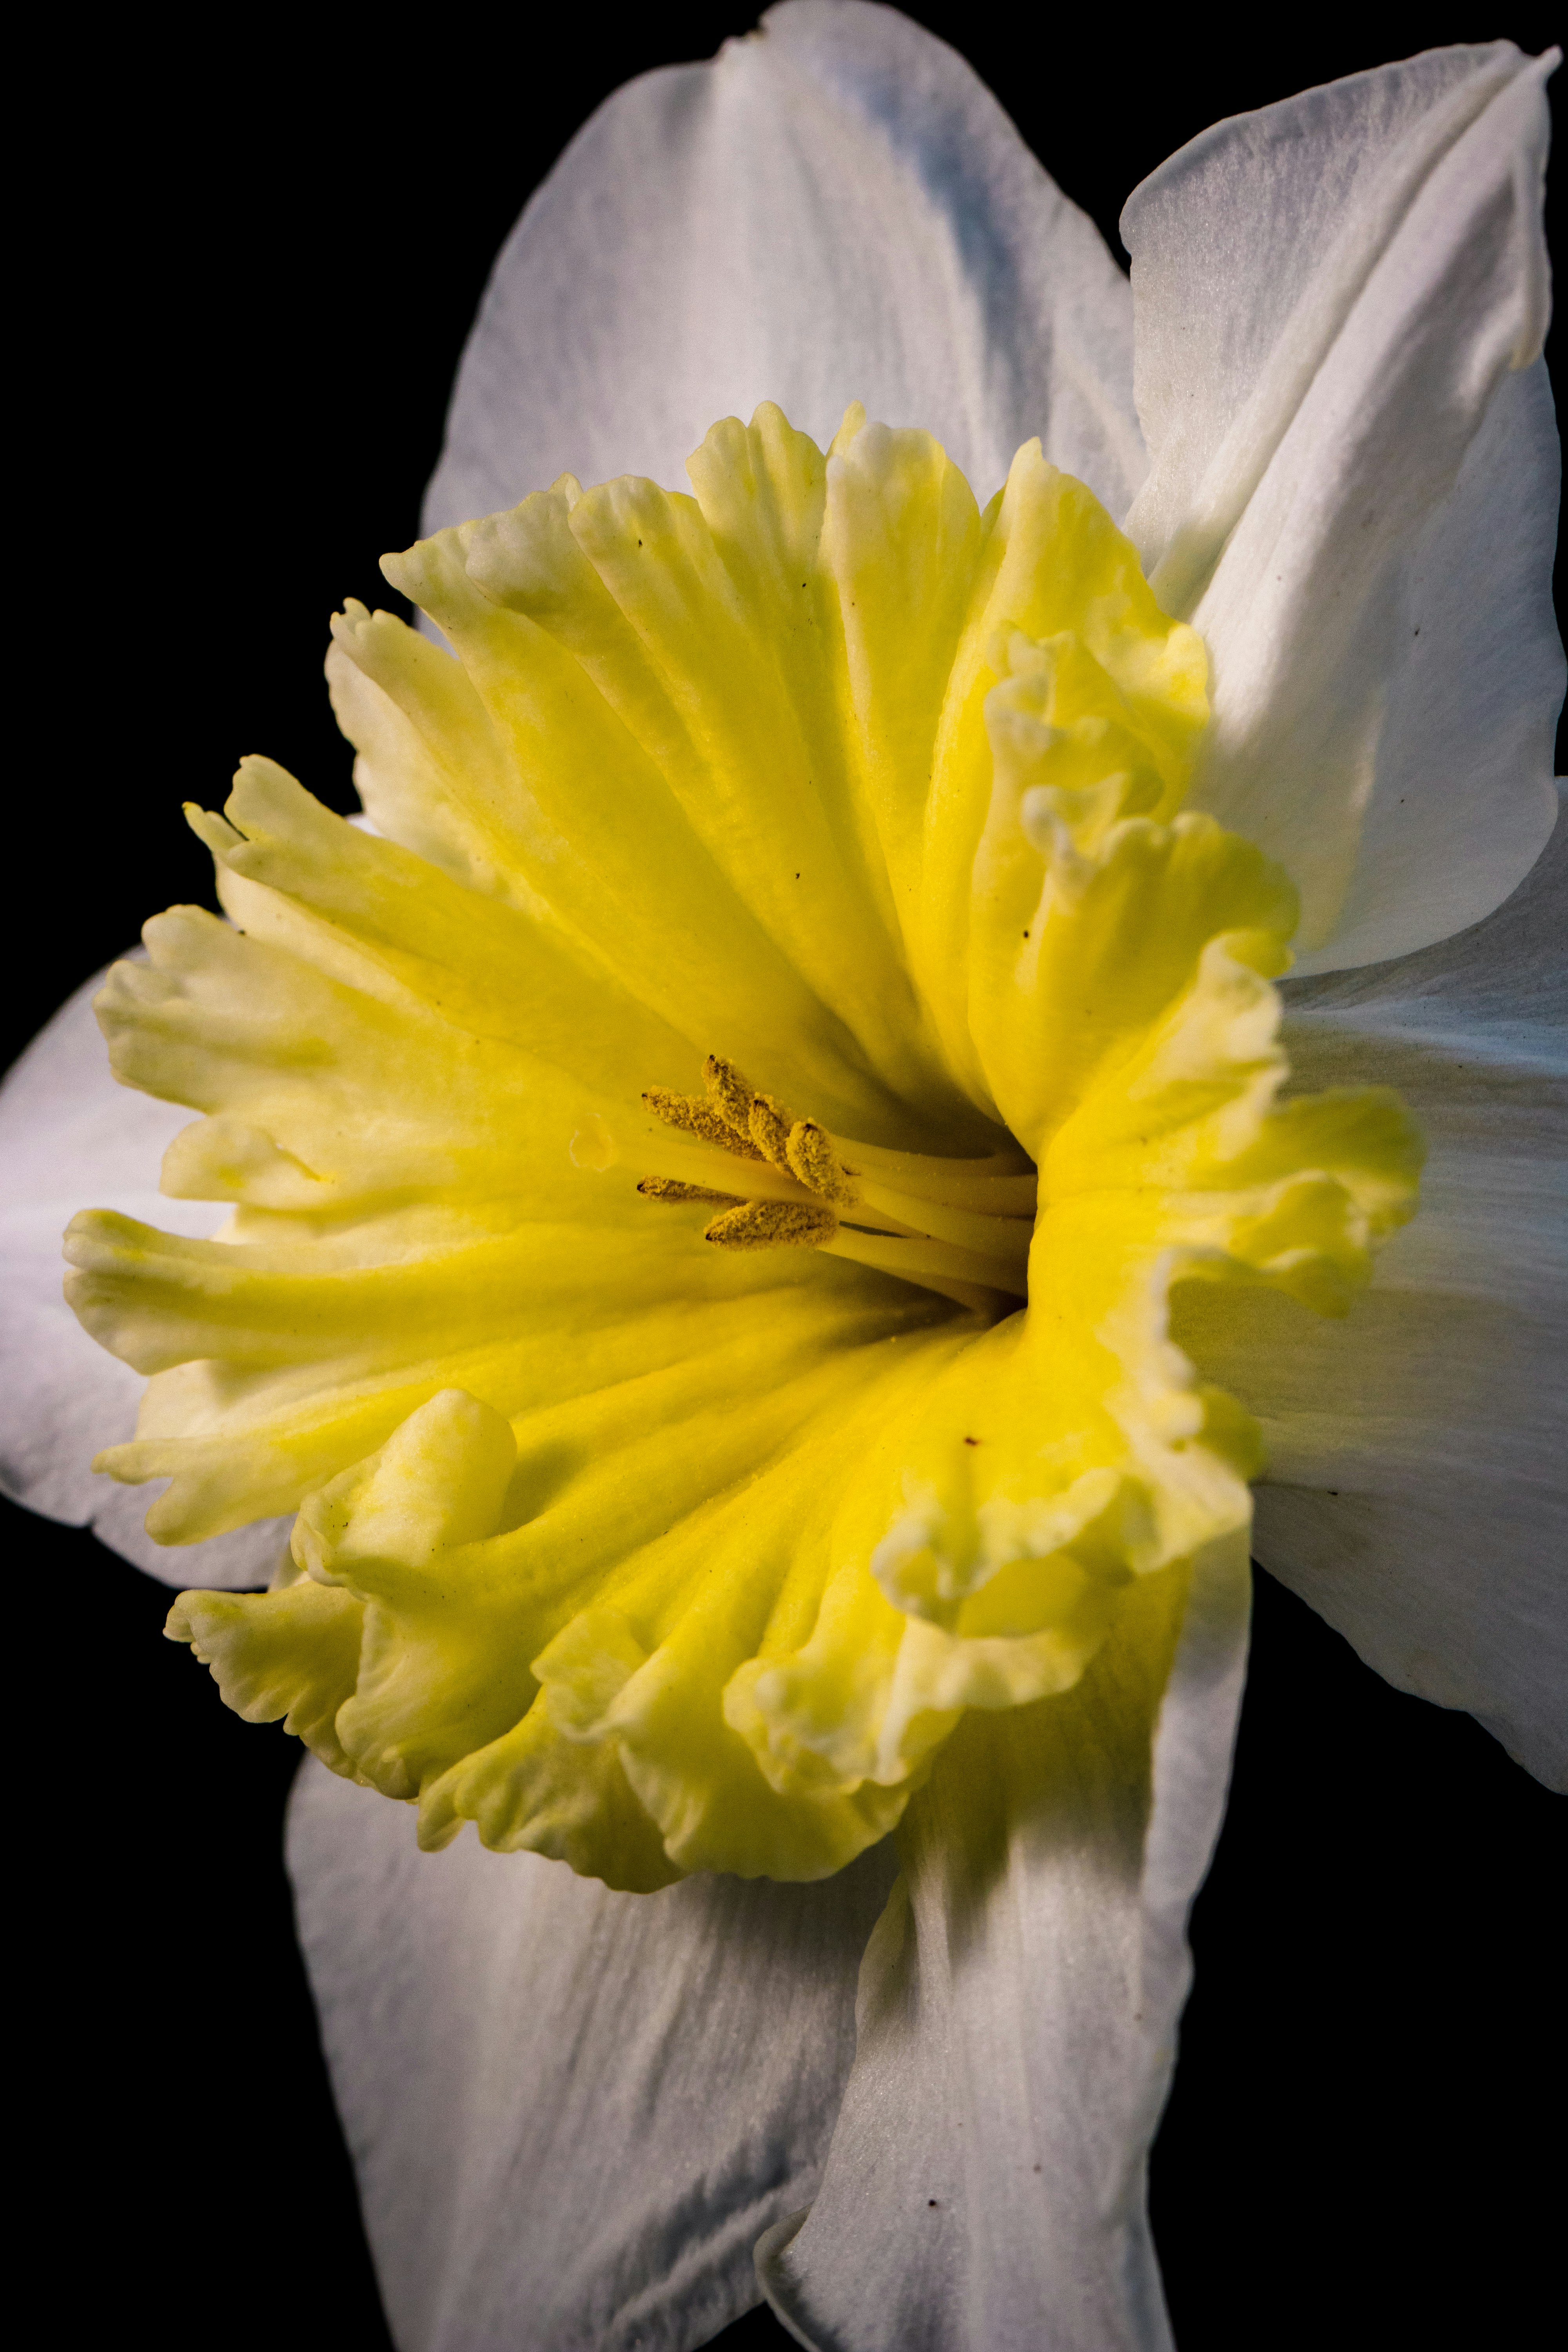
[[852, 426], [654, 1541], [289, 1656]]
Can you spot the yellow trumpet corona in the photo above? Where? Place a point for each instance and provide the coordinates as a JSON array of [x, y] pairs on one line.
[[673, 1468]]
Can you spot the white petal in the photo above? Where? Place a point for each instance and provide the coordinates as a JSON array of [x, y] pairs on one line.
[[71, 1139], [1347, 493], [571, 2111], [1017, 2028], [835, 209], [1416, 1493]]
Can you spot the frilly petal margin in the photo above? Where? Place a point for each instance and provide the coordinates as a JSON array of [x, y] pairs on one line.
[[834, 209], [1414, 1494], [1338, 304], [1017, 2010], [69, 1133], [557, 2098]]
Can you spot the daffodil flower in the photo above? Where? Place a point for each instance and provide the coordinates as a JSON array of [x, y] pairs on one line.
[[781, 1195]]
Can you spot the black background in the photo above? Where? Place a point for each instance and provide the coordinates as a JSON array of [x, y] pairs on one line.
[[245, 261]]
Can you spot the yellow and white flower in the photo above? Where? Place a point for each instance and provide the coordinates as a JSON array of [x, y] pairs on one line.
[[778, 1206]]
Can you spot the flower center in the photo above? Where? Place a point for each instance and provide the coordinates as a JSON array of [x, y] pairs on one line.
[[962, 1227]]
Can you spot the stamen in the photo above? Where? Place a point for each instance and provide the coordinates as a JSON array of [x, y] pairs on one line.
[[733, 1092], [769, 1124], [936, 1266], [814, 1161], [772, 1224], [685, 1159], [960, 1227], [664, 1188], [1002, 1186], [699, 1118], [1006, 1238]]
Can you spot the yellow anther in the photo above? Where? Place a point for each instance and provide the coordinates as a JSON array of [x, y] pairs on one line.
[[733, 1092], [769, 1125], [772, 1224], [664, 1188], [697, 1116], [812, 1158]]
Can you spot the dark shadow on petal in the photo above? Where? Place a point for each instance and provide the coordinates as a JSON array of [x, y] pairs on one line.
[[754, 2331], [1348, 2151], [184, 2145]]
